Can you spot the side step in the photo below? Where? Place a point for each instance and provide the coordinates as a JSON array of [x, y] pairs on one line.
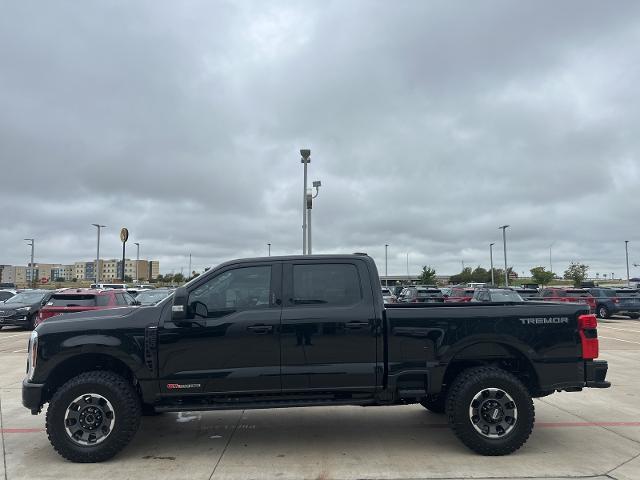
[[204, 406]]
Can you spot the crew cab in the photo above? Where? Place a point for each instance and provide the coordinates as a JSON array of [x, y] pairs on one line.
[[304, 331]]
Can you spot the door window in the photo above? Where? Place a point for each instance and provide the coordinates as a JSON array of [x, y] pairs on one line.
[[239, 289], [326, 284]]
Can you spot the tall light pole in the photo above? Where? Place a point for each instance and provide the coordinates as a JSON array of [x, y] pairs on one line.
[[626, 252], [306, 159], [408, 267], [491, 260], [269, 249], [189, 272], [504, 242], [97, 269], [310, 196], [32, 243], [386, 265], [137, 244], [550, 262]]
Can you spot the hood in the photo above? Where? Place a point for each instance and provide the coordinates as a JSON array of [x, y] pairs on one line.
[[117, 317]]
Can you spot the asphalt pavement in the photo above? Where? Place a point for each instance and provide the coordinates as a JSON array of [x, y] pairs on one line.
[[591, 434]]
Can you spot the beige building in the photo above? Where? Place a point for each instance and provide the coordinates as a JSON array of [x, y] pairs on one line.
[[79, 269], [155, 269], [20, 275], [109, 270]]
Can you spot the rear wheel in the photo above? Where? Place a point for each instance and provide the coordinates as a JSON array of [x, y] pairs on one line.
[[490, 411], [435, 403], [93, 416], [603, 312]]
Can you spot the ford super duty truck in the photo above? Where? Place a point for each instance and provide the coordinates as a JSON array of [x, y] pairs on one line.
[[304, 331]]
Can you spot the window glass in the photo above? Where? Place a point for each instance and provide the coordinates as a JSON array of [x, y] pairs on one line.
[[73, 301], [241, 288], [327, 284], [102, 300]]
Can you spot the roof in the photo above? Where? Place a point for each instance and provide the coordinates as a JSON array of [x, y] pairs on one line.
[[84, 291]]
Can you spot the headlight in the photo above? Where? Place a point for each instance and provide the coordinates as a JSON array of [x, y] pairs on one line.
[[23, 309], [32, 355]]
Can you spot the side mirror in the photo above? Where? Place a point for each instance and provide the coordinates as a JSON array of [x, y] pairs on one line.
[[179, 309]]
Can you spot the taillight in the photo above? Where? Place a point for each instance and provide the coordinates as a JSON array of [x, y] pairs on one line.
[[415, 300], [615, 300], [588, 330]]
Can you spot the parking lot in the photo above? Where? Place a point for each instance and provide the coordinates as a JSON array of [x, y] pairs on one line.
[[593, 434]]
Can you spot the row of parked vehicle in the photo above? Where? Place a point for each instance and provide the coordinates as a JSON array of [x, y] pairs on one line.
[[29, 308], [604, 301]]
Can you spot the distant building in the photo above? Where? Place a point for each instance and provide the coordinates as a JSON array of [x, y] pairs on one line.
[[155, 269]]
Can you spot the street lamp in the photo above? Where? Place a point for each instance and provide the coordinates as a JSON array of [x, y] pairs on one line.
[[550, 262], [504, 242], [97, 269], [386, 265], [491, 260], [269, 249], [306, 159], [32, 242], [137, 244], [310, 196], [626, 252]]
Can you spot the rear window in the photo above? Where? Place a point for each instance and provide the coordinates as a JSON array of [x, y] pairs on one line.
[[428, 293], [73, 301], [577, 293], [328, 284], [627, 293]]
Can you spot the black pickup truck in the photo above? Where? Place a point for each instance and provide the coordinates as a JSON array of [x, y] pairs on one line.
[[304, 331]]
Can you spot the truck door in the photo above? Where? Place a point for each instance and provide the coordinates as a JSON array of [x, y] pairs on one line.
[[329, 333], [232, 343]]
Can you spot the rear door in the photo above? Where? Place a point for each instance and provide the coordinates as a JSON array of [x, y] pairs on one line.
[[329, 333]]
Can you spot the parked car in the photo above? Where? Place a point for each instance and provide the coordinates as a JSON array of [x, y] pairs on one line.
[[460, 294], [318, 340], [151, 297], [22, 309], [527, 293], [113, 286], [72, 300], [611, 301], [397, 290], [568, 295], [496, 295], [420, 294], [446, 291], [6, 294], [387, 296]]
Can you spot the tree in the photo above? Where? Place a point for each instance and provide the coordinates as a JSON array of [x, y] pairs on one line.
[[178, 278], [428, 276], [541, 276], [160, 278], [576, 272], [479, 274], [127, 278]]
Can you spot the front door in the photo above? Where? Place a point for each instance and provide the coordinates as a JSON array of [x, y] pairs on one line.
[[232, 343]]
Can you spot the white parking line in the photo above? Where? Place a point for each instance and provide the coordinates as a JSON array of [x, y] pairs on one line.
[[618, 339], [620, 329], [24, 350]]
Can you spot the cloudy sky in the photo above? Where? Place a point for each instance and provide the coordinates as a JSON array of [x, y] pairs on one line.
[[430, 124]]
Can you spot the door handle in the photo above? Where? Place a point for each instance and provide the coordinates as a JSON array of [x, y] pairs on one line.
[[357, 324], [260, 329]]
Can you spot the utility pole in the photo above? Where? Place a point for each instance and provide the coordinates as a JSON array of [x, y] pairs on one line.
[[386, 265], [408, 279], [550, 262], [269, 249], [137, 244], [306, 154], [189, 272], [32, 243], [504, 242], [626, 252], [97, 269], [491, 260]]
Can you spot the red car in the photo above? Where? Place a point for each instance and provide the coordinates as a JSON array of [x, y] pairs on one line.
[[570, 295], [74, 300], [460, 294]]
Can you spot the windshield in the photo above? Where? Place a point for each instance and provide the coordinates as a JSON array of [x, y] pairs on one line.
[[152, 297], [26, 297], [505, 296]]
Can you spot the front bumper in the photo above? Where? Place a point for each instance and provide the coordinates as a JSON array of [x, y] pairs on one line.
[[32, 394], [14, 321], [595, 372]]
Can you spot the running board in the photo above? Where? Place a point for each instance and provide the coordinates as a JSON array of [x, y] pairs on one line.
[[204, 406]]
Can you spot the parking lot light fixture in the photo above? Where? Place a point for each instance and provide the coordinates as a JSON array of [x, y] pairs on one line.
[[32, 243], [491, 260], [137, 244], [626, 252], [504, 243], [386, 265], [97, 267], [269, 249], [305, 160]]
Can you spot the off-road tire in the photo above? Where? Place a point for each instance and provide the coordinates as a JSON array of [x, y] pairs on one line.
[[126, 407], [435, 403], [467, 385]]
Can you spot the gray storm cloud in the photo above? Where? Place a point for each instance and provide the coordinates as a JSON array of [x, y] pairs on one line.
[[430, 124]]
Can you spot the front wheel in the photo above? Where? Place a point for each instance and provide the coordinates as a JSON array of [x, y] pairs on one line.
[[93, 416], [490, 411]]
